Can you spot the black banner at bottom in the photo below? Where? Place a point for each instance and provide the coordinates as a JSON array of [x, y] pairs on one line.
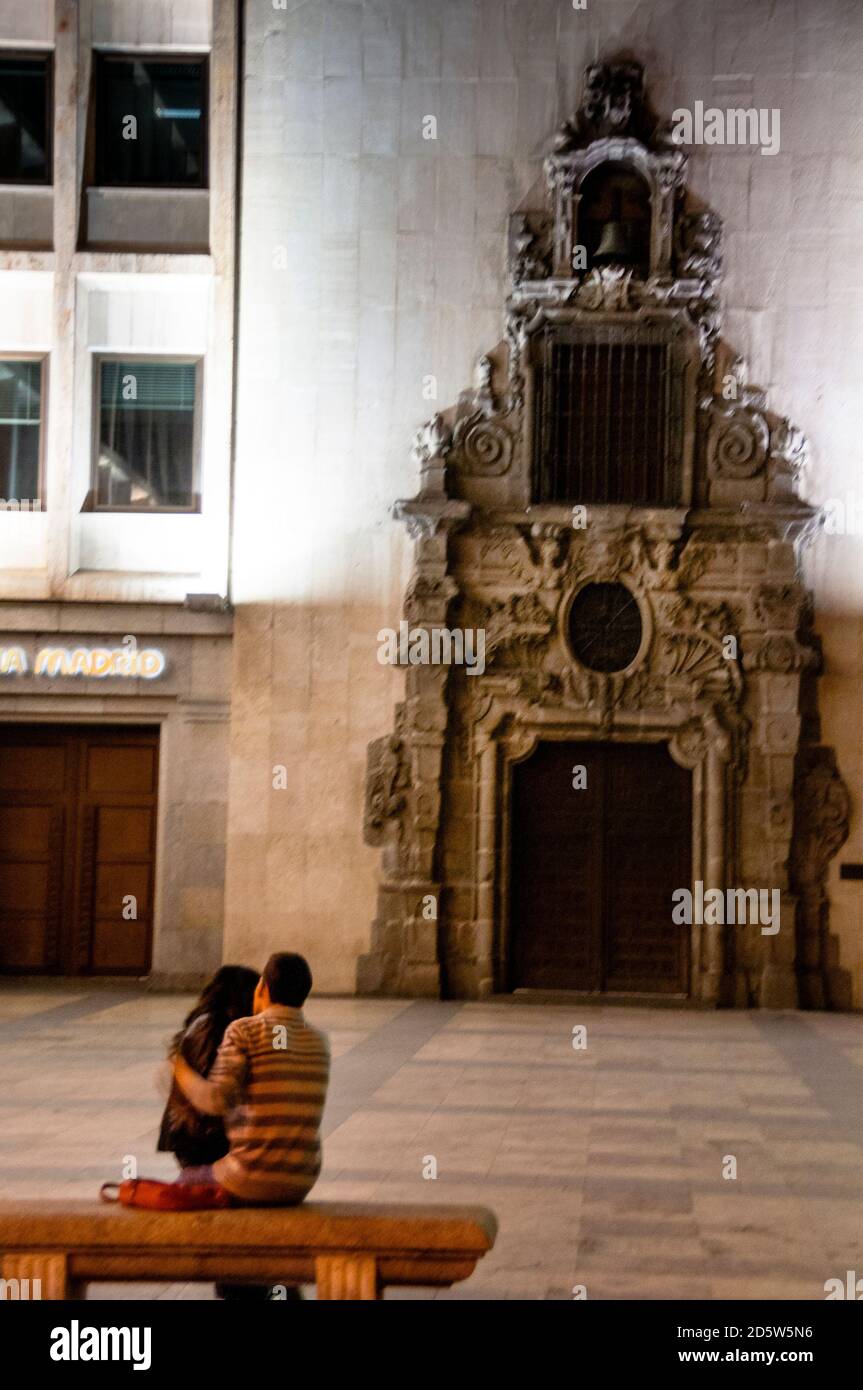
[[197, 1338]]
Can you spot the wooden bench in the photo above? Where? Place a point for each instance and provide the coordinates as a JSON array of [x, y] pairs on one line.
[[351, 1250]]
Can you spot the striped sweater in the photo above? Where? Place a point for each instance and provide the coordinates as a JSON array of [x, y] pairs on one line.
[[269, 1080]]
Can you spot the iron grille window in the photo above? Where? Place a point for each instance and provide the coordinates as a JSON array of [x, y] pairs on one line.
[[151, 119], [20, 429], [606, 419], [147, 444], [25, 119]]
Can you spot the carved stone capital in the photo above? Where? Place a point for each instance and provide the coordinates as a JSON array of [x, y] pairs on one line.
[[782, 655], [426, 517], [780, 606]]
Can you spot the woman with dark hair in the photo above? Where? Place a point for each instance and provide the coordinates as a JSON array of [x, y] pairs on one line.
[[193, 1138]]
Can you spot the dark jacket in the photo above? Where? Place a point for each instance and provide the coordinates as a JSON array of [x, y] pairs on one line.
[[193, 1138]]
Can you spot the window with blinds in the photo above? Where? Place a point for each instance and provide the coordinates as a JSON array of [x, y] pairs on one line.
[[147, 442], [607, 418], [20, 429]]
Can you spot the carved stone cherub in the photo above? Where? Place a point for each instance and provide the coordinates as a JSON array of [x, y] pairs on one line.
[[548, 567]]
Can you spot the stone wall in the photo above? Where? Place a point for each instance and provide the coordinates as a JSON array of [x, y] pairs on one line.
[[373, 273]]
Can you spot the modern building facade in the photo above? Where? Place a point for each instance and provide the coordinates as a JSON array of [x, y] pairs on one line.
[[117, 216], [387, 197]]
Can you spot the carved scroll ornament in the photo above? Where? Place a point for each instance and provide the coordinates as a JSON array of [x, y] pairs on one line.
[[738, 441]]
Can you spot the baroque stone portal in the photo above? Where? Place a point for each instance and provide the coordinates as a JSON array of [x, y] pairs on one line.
[[610, 447]]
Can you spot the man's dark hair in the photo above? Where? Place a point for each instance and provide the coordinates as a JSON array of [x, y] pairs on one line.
[[288, 978]]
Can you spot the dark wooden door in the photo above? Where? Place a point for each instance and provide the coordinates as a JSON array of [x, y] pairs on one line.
[[593, 869], [77, 849]]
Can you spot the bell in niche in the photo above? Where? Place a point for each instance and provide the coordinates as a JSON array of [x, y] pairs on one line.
[[618, 244]]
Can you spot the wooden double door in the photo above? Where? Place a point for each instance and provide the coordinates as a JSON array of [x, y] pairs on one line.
[[593, 868], [77, 849]]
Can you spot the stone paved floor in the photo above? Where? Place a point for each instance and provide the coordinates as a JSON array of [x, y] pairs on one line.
[[604, 1165]]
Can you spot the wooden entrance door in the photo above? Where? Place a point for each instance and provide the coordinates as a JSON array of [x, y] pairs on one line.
[[77, 849], [593, 869]]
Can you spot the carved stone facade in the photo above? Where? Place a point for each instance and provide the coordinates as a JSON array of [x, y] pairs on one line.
[[725, 655]]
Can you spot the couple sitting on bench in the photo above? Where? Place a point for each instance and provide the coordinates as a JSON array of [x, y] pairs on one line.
[[249, 1084], [249, 1080]]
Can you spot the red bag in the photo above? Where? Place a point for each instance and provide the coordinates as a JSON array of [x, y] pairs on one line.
[[167, 1196]]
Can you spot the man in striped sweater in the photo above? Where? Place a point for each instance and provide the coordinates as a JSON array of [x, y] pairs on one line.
[[269, 1081]]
